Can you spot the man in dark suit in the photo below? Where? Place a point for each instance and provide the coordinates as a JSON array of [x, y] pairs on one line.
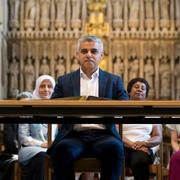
[[96, 140]]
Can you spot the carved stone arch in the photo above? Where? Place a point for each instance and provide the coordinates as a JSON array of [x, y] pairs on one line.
[[120, 50], [60, 49], [16, 49], [165, 49], [177, 50], [133, 49], [72, 49], [148, 49], [114, 45]]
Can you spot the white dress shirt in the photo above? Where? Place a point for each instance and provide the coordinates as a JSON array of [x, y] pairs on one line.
[[89, 87]]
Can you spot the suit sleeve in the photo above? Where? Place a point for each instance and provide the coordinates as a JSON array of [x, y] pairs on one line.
[[120, 91], [58, 90]]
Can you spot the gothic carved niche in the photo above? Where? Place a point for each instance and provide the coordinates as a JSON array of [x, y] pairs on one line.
[[44, 66], [165, 77], [44, 14], [30, 14], [149, 71], [133, 49], [149, 14], [74, 64], [76, 11], [118, 66], [117, 10], [13, 72], [177, 14], [44, 58], [127, 17], [177, 71], [139, 30], [134, 6], [72, 49], [29, 73], [60, 14], [117, 49], [149, 74], [133, 67], [60, 67], [164, 14], [177, 77], [14, 9], [60, 49], [118, 58]]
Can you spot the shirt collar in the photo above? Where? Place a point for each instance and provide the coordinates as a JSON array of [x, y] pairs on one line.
[[94, 75]]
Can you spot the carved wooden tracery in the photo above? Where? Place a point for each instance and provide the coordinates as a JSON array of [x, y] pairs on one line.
[[140, 30]]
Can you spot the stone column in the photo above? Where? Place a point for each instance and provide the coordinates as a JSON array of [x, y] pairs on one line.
[[172, 17], [37, 43], [156, 15], [149, 14], [177, 16], [52, 59], [68, 60], [141, 16], [141, 58], [21, 59], [172, 61], [21, 15], [126, 16], [156, 63], [125, 63]]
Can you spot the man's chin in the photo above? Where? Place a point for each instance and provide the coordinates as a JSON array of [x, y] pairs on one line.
[[89, 65]]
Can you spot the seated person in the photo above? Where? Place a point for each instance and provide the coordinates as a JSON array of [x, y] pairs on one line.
[[10, 141], [9, 155], [139, 139], [33, 137], [25, 95], [174, 166], [101, 141]]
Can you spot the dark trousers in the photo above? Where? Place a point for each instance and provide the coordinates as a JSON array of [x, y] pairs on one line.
[[139, 162], [89, 143], [34, 170], [6, 166]]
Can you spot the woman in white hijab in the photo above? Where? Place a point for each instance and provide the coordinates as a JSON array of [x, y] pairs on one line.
[[44, 87], [33, 137]]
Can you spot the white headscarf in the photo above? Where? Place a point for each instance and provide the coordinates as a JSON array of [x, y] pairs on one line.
[[38, 83]]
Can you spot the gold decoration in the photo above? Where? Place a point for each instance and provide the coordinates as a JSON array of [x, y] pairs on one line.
[[103, 63], [97, 24]]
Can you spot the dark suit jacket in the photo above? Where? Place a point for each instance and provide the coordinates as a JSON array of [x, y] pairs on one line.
[[110, 86]]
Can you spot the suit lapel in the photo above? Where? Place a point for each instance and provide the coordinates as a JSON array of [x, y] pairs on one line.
[[75, 80], [102, 83]]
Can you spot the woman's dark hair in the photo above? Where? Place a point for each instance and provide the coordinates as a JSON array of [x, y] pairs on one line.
[[139, 79]]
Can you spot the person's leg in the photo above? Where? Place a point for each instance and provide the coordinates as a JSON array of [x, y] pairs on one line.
[[86, 176], [63, 157], [139, 163], [111, 153], [174, 167], [36, 167]]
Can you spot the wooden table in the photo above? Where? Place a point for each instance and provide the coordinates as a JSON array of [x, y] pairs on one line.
[[53, 110]]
